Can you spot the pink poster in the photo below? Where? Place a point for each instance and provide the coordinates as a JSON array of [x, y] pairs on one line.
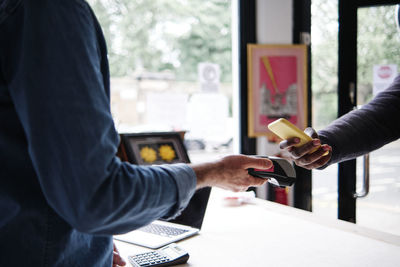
[[277, 86]]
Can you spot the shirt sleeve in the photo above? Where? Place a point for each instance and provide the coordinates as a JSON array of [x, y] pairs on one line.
[[361, 131], [55, 72]]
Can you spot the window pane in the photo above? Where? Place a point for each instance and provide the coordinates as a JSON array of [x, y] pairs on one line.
[[171, 68], [378, 59], [324, 34]]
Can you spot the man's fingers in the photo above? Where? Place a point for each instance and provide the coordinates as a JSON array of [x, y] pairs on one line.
[[313, 157], [115, 248], [257, 163], [255, 181], [289, 142], [118, 260], [248, 182], [311, 132], [299, 152], [319, 163]]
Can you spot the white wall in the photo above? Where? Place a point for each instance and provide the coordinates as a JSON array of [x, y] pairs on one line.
[[274, 26], [235, 76], [274, 21]]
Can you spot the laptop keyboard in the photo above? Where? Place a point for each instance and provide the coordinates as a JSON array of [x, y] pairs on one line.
[[162, 230]]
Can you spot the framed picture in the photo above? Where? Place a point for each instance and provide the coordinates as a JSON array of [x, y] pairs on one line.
[[154, 148], [277, 86]]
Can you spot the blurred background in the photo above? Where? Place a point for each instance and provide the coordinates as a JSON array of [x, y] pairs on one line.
[[171, 70]]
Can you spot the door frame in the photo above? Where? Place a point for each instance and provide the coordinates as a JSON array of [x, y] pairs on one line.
[[347, 95], [302, 197]]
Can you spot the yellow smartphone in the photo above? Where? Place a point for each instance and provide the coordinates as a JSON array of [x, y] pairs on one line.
[[285, 130]]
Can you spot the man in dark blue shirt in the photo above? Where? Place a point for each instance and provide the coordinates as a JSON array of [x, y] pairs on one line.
[[63, 192]]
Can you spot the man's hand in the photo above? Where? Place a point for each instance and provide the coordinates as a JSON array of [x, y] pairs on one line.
[[302, 155], [117, 259], [231, 172]]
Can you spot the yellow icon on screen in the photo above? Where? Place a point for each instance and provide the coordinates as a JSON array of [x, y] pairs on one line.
[[148, 154], [167, 153]]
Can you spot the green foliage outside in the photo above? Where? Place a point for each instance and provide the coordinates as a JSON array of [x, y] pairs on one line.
[[324, 56], [166, 35], [175, 35], [378, 43]]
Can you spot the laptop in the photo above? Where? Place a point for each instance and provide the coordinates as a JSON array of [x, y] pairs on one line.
[[154, 149]]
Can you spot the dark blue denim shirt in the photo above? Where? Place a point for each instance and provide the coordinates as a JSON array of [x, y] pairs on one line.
[[63, 192]]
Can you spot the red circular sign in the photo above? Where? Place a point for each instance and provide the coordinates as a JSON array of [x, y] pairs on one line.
[[385, 72]]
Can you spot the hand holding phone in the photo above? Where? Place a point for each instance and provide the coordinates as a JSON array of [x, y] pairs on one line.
[[306, 153], [285, 130]]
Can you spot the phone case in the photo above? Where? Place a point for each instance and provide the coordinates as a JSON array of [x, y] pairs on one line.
[[285, 129]]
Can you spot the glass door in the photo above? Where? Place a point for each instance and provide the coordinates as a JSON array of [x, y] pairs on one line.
[[345, 77], [324, 47], [378, 60], [368, 59]]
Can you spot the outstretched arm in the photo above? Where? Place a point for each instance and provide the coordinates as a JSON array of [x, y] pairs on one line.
[[354, 134]]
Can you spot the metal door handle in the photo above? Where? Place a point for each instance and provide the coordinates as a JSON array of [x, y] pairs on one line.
[[365, 188]]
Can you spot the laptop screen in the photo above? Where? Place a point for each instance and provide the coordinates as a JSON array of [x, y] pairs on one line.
[[165, 148]]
